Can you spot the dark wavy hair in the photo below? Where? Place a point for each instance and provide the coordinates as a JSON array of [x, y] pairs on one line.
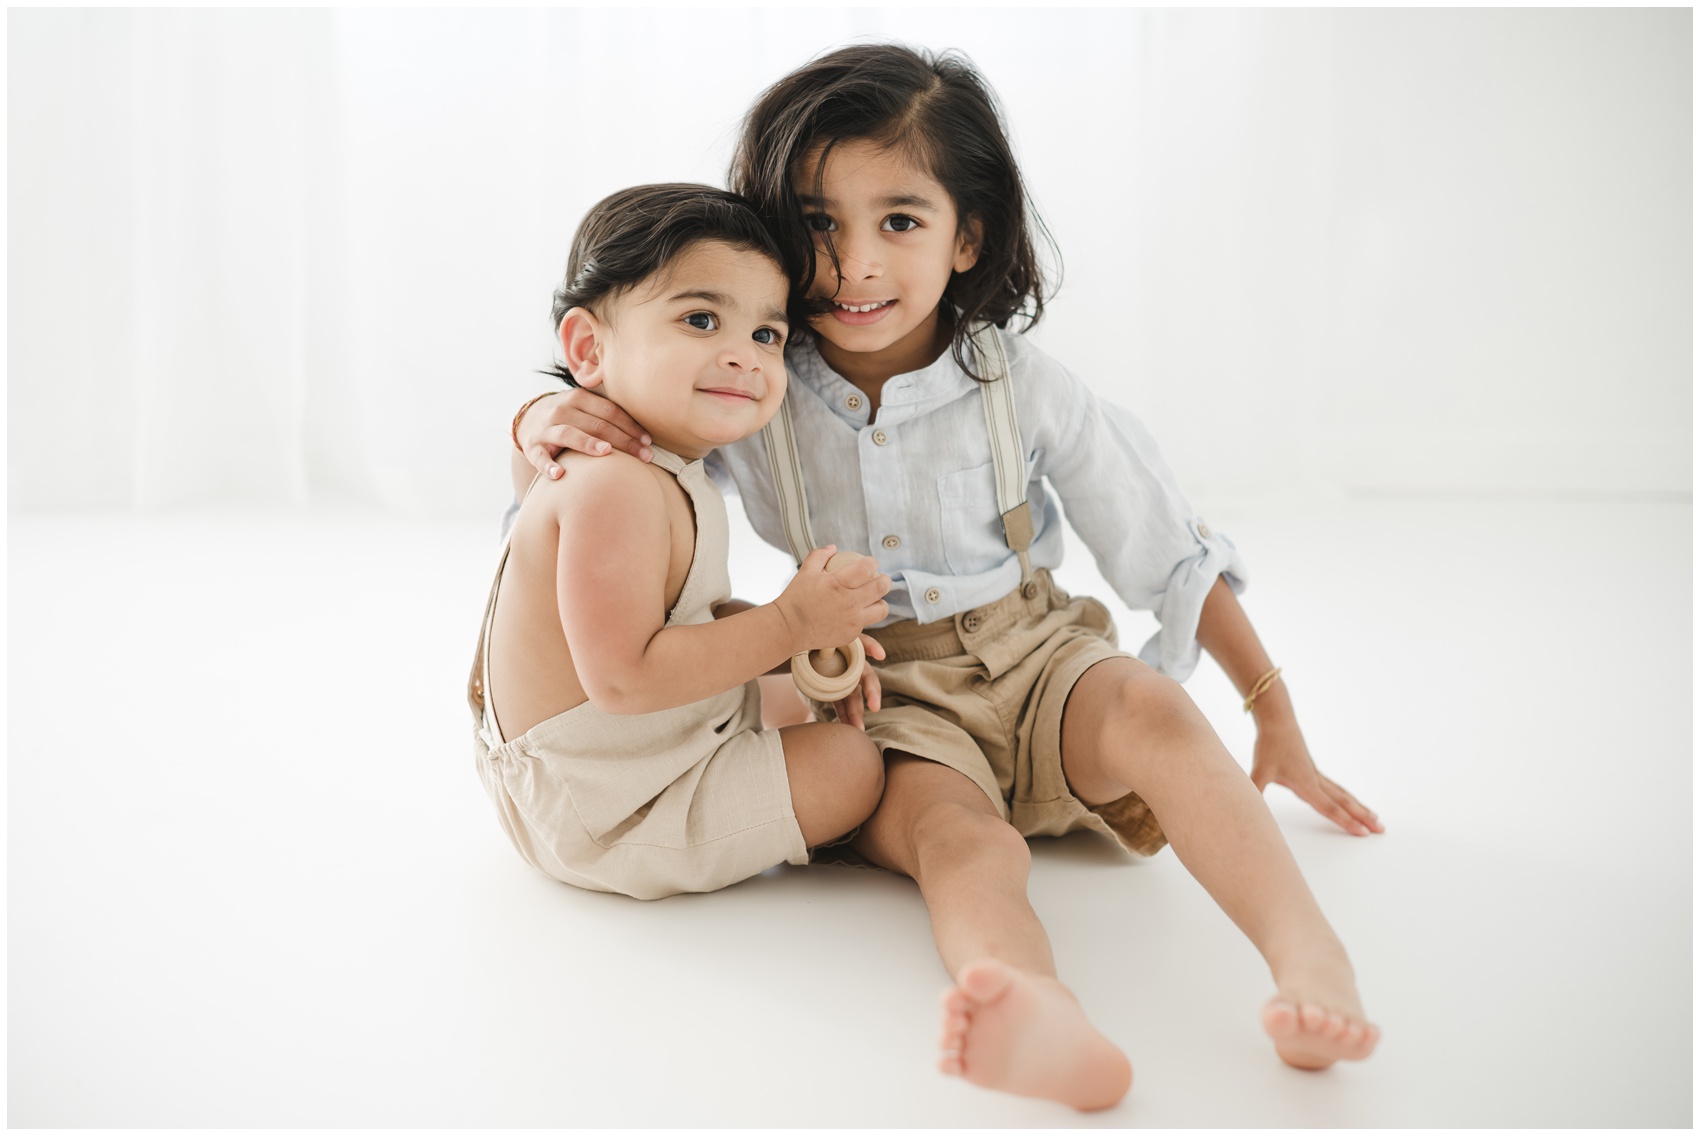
[[629, 236], [938, 113]]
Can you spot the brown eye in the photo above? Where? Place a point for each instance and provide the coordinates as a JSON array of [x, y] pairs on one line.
[[901, 223], [703, 321], [819, 222]]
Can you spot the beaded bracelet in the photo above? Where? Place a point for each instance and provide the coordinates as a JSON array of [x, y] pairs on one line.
[[1260, 686]]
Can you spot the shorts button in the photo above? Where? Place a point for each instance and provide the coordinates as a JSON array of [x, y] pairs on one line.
[[1030, 589], [971, 621], [879, 437], [932, 595], [891, 542], [854, 402]]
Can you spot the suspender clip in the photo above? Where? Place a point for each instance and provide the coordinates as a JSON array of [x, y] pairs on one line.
[[1018, 528]]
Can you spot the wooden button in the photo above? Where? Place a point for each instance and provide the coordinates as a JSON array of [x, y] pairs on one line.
[[932, 595], [891, 542], [1030, 589]]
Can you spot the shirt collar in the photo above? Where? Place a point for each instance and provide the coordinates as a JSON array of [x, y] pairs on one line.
[[904, 396]]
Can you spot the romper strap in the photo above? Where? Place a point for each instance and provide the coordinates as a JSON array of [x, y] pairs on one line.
[[477, 688], [787, 468], [1009, 461], [478, 683]]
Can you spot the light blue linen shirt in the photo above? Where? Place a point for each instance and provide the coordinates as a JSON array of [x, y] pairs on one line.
[[915, 488]]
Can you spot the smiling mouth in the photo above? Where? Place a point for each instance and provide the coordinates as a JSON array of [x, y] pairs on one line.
[[875, 306], [730, 392]]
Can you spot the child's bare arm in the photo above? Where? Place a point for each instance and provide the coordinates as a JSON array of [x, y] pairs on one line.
[[850, 707], [611, 583], [733, 607], [521, 472], [1281, 756]]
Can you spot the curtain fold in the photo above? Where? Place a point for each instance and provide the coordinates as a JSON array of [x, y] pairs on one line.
[[288, 258]]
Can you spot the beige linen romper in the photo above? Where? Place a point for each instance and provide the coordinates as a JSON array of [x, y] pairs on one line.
[[648, 805]]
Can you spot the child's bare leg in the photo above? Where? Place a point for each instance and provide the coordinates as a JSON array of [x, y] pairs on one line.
[[836, 777], [1128, 729], [1008, 1023]]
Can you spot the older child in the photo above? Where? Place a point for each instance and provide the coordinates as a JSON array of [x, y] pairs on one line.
[[614, 686], [928, 433]]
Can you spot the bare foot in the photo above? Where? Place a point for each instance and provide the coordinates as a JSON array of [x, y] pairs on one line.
[[1025, 1034], [1315, 1017]]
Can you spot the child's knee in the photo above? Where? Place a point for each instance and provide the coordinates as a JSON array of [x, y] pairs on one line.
[[959, 832], [836, 776], [858, 765], [1151, 706]]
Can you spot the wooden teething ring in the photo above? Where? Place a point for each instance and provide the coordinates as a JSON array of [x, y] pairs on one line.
[[842, 677], [827, 676]]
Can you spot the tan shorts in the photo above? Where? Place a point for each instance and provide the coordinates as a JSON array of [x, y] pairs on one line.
[[983, 693]]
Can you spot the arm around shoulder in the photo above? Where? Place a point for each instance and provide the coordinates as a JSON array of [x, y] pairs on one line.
[[574, 419]]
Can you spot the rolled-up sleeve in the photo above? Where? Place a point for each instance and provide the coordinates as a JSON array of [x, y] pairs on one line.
[[1156, 552]]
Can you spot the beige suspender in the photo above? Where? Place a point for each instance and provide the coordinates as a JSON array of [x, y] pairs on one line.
[[787, 470], [1009, 462]]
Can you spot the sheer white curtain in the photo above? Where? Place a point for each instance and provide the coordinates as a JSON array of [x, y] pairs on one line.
[[300, 257]]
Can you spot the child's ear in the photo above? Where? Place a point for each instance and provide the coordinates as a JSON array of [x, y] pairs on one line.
[[968, 239], [582, 346]]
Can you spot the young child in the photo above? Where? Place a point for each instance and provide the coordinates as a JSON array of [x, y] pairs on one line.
[[614, 688], [919, 428]]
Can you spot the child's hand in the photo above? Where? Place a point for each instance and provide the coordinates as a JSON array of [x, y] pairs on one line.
[[868, 693], [824, 610], [580, 420], [1282, 758]]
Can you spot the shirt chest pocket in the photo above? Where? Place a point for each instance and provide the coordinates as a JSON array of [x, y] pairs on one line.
[[970, 524]]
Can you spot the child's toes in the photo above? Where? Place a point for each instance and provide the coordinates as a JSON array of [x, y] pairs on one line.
[[1280, 1020], [955, 1001], [1312, 1017], [953, 1033], [950, 1050], [1335, 1028], [955, 1028]]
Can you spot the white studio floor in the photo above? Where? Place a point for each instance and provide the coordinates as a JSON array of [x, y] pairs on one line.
[[254, 880]]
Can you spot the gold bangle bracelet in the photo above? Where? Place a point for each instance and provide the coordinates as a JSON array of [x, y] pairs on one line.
[[513, 431], [1260, 686]]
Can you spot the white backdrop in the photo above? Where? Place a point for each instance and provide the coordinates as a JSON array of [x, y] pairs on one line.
[[304, 257], [276, 281]]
